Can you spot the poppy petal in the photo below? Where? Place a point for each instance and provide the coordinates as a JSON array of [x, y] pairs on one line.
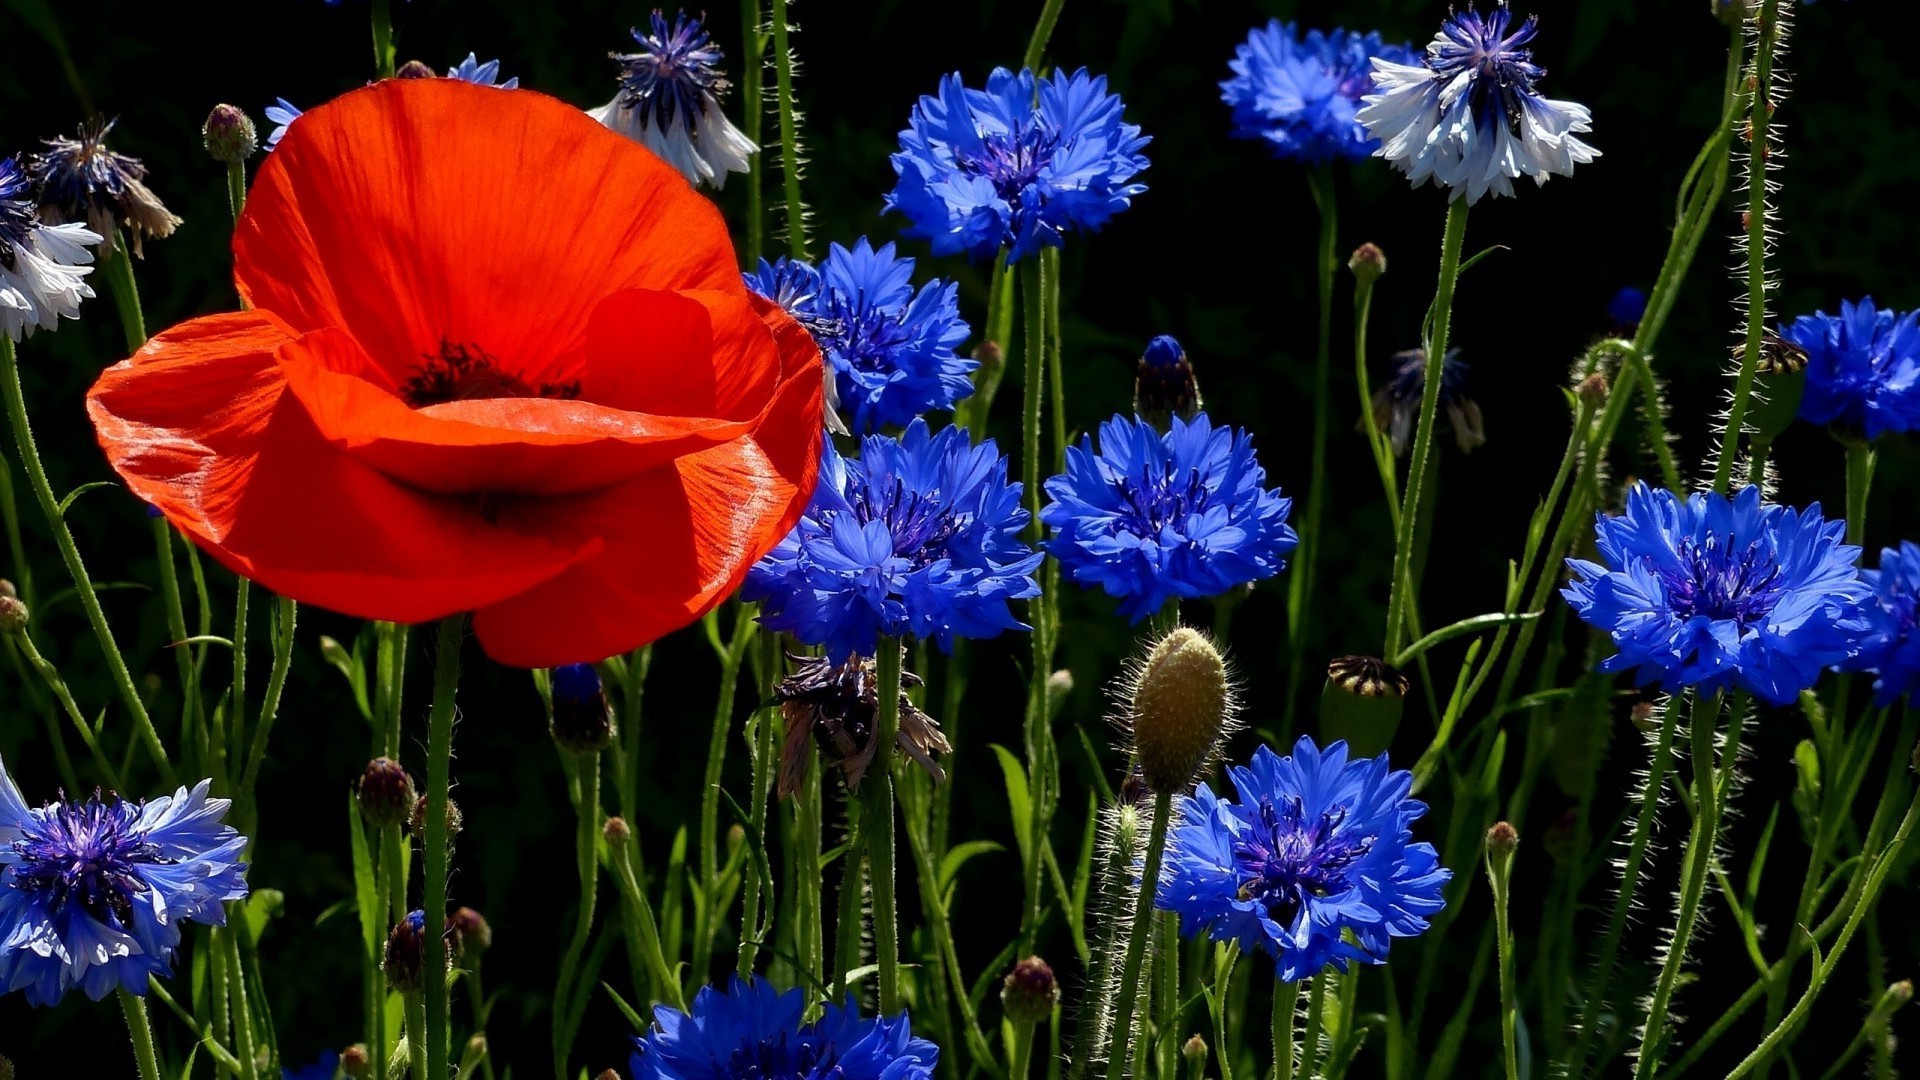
[[199, 424], [404, 214]]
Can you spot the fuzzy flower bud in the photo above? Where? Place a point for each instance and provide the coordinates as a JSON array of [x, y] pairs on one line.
[[1502, 840], [468, 934], [582, 718], [14, 615], [1029, 992], [405, 960], [1164, 385], [354, 1061], [616, 831], [1593, 389], [1181, 705], [1367, 263], [6, 1069], [229, 135], [414, 69], [1195, 1053], [386, 795], [1362, 702], [417, 820]]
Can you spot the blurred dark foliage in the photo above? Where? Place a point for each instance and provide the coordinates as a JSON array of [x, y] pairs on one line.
[[1218, 253]]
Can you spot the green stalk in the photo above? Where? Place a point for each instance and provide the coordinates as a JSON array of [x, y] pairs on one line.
[[1307, 563], [1020, 1056], [1377, 440], [83, 585], [972, 412], [1285, 1050], [382, 39], [416, 1024], [10, 511], [139, 1029], [753, 67], [190, 705], [1399, 602], [1037, 44], [789, 133], [1499, 873], [879, 817], [848, 927], [117, 268], [1760, 114], [243, 1047], [705, 917], [1166, 990], [236, 187], [1137, 935], [1698, 857], [1033, 378], [586, 807], [809, 931], [1316, 1013], [765, 752], [941, 929], [1861, 457], [287, 611], [641, 923], [433, 884]]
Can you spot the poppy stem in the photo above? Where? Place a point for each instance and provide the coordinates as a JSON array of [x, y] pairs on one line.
[[141, 1031], [880, 825], [433, 885], [69, 551], [1123, 1023], [1307, 560]]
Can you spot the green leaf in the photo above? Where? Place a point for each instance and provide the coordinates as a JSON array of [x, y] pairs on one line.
[[1760, 855], [82, 490], [1019, 803], [626, 1010], [959, 857], [365, 896], [258, 909], [1465, 626], [1806, 791]]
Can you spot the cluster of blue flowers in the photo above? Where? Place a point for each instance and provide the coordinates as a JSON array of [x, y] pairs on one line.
[[92, 894], [752, 1029], [890, 349], [1302, 95], [1314, 863], [1863, 368]]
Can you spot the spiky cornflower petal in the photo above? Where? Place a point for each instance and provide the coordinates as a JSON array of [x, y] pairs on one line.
[[1712, 593], [1863, 368], [669, 101], [1152, 518], [918, 537], [1891, 646], [750, 1029], [891, 349], [1299, 94], [42, 267], [92, 894], [1396, 405], [1314, 862], [283, 112], [1017, 165], [1468, 115], [80, 180]]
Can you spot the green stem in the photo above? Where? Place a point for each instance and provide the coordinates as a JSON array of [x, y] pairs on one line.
[[117, 268], [879, 820], [706, 918], [641, 923], [1861, 457], [1137, 935], [765, 751], [236, 713], [416, 1021], [1285, 1046], [1637, 846], [190, 706], [287, 611], [383, 42], [810, 888], [586, 807], [236, 187], [433, 884], [1499, 871], [789, 133], [1399, 602], [1377, 441], [10, 510], [998, 332], [1316, 1015], [1166, 991], [1033, 379], [63, 539], [243, 1046], [1760, 114], [139, 1029], [1300, 584], [1020, 1056], [1037, 44], [848, 927], [753, 68], [1698, 857]]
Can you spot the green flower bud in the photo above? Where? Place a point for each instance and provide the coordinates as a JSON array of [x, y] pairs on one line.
[[1182, 703]]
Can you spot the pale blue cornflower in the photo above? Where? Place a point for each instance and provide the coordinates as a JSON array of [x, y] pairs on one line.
[[669, 101]]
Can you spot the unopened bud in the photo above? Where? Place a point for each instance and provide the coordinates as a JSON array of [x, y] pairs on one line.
[[417, 820], [989, 356], [335, 653], [1502, 840], [616, 831], [608, 1075], [1126, 832], [582, 719], [735, 837], [1164, 385], [13, 615], [405, 960], [1195, 1051], [6, 1068], [1182, 703], [1593, 389], [386, 795], [1029, 992], [1059, 688], [229, 135], [468, 935], [1642, 716], [1134, 789], [1367, 263], [354, 1061], [414, 69], [1362, 702]]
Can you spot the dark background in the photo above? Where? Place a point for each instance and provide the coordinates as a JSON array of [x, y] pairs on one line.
[[1218, 252]]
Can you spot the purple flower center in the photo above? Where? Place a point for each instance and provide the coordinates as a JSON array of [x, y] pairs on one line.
[[1717, 581], [779, 1059], [1288, 859], [17, 217], [1152, 502], [921, 526], [677, 68], [1011, 161], [85, 854]]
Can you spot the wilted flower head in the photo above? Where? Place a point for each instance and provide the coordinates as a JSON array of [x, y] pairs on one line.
[[918, 537], [1863, 368], [283, 112], [1152, 517], [891, 349], [1315, 862], [752, 1029], [1396, 405], [1017, 165], [1468, 116], [1710, 593], [669, 101], [80, 180], [92, 894], [1891, 647], [41, 265], [1300, 94], [836, 705], [1163, 383]]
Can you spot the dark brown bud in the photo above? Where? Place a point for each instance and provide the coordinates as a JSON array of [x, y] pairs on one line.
[[354, 1061], [13, 615], [417, 820], [582, 718], [414, 69], [1502, 840], [386, 793], [405, 959], [468, 934], [1367, 676], [1593, 389], [1029, 992], [1367, 264], [616, 831], [229, 135]]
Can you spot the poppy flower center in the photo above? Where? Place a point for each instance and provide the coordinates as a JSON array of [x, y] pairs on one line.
[[1289, 860], [466, 372]]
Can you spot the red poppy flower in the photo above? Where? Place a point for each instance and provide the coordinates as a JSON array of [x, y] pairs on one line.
[[500, 360]]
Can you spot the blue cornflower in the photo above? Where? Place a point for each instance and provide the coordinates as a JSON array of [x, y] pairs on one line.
[[1301, 94], [1891, 648], [918, 537], [669, 101], [1315, 863], [1468, 117], [42, 267], [1152, 518], [753, 1030], [1396, 405], [1863, 368], [283, 112], [1017, 165], [1710, 593], [891, 349], [92, 893], [1627, 308]]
